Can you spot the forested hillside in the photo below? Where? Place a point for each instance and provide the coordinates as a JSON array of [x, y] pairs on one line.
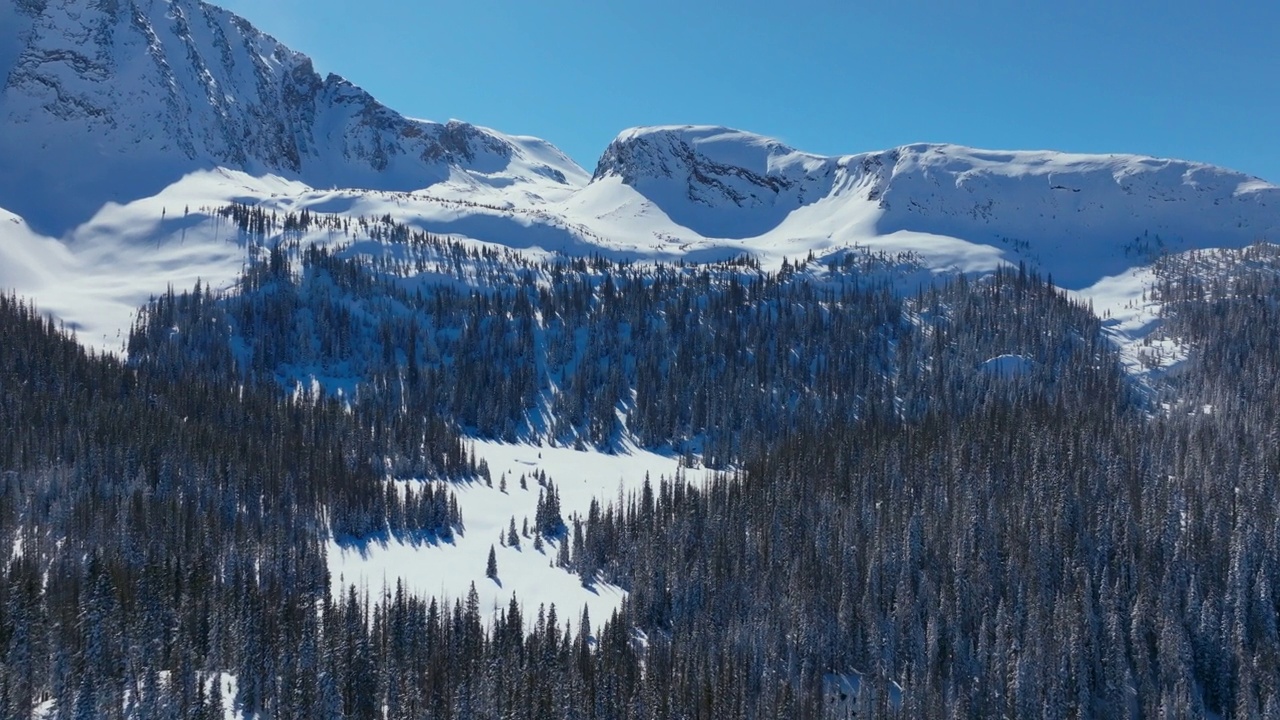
[[712, 360], [311, 409], [949, 502]]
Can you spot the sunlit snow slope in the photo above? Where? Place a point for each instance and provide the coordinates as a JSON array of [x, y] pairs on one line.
[[114, 101], [450, 569], [126, 125]]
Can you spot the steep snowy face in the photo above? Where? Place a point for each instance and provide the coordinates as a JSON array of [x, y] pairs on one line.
[[716, 181], [1079, 217], [123, 121], [715, 163], [1074, 214], [114, 99]]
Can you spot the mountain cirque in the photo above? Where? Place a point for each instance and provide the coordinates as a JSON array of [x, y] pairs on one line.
[[127, 124]]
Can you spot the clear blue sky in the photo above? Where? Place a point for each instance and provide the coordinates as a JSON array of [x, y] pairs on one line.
[[1178, 78]]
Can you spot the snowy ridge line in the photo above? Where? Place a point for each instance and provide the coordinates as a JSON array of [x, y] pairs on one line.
[[99, 146]]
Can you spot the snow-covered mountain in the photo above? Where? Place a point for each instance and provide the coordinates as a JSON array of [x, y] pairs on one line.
[[126, 123], [1074, 215], [113, 100]]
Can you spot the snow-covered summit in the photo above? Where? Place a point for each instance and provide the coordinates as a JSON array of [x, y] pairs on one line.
[[1070, 214], [112, 100], [117, 117], [670, 151], [705, 159], [716, 181], [1051, 207]]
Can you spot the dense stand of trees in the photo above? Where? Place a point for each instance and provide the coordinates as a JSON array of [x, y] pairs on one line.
[[711, 360], [168, 522], [1000, 566], [168, 529], [956, 538]]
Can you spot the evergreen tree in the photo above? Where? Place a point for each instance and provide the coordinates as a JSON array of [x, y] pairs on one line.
[[491, 566]]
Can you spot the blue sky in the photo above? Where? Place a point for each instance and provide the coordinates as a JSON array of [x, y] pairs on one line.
[[1192, 80]]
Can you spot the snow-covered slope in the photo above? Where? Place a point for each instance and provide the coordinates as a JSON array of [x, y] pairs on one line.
[[1079, 217], [1074, 215], [715, 182], [450, 569], [115, 100], [126, 123]]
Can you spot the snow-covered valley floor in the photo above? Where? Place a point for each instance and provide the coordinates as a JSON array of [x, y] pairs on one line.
[[449, 569]]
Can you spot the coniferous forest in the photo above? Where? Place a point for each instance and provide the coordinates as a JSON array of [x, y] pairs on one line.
[[899, 526]]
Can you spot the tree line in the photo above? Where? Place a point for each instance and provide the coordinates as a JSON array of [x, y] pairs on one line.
[[1047, 541]]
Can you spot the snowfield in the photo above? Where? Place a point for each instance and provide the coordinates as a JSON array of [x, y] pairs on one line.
[[449, 569], [966, 221], [115, 163]]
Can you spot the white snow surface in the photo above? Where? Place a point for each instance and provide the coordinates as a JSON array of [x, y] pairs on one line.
[[1131, 317], [114, 101], [955, 209], [123, 125], [449, 569]]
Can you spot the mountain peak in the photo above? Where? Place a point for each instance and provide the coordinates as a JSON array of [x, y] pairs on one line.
[[668, 151], [111, 101], [176, 103]]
